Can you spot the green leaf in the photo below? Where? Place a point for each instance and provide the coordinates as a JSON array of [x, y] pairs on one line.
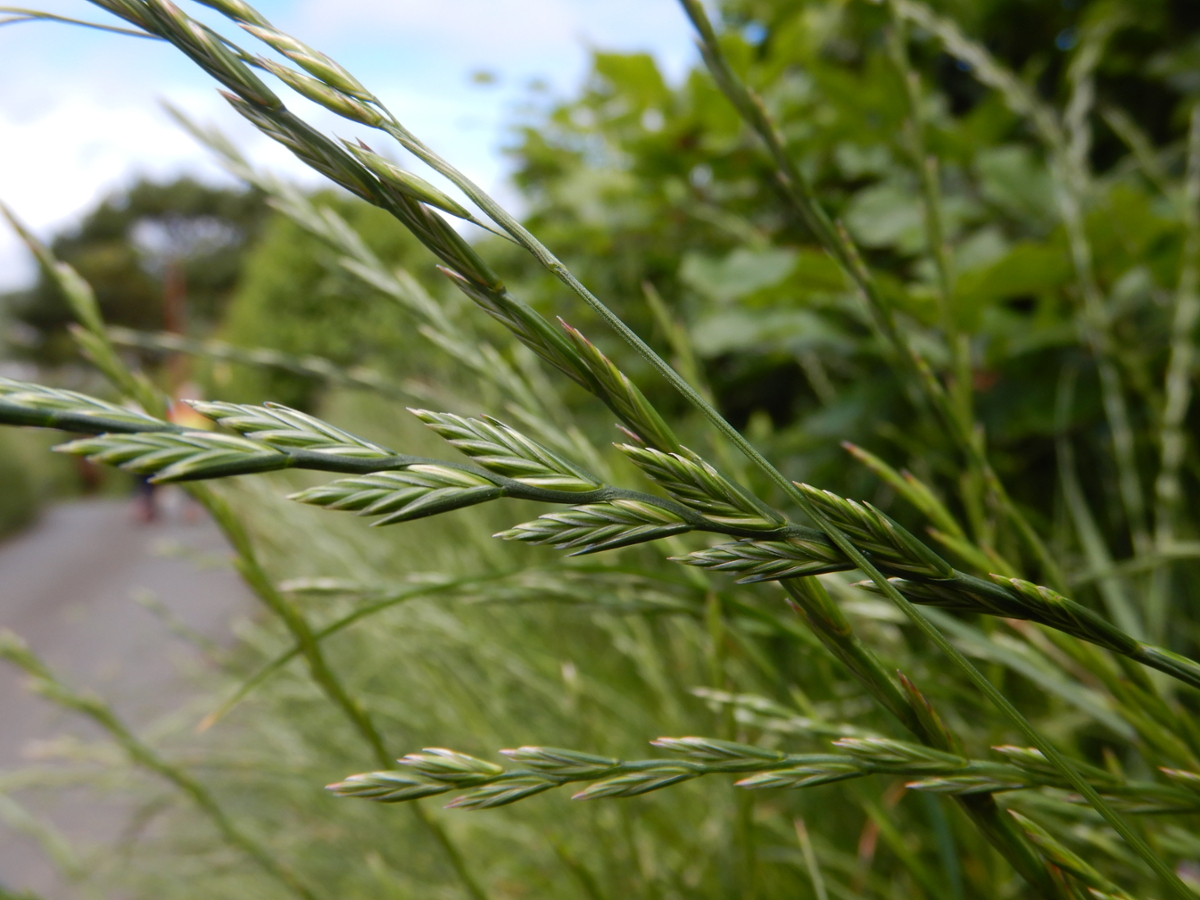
[[1014, 179], [634, 77], [731, 330], [740, 273], [887, 214], [1027, 269]]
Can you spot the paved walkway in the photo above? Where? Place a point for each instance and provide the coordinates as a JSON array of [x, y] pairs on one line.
[[68, 587]]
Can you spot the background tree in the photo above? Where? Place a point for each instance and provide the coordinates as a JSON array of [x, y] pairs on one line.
[[129, 245]]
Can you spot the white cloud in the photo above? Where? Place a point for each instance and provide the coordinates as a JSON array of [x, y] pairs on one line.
[[548, 37], [490, 26], [79, 116]]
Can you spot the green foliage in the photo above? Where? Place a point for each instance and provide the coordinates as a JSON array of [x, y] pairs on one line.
[[637, 181], [294, 297]]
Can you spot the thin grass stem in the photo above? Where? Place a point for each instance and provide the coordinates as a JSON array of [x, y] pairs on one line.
[[1178, 379]]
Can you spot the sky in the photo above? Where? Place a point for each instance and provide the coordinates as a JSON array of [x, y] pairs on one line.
[[80, 113]]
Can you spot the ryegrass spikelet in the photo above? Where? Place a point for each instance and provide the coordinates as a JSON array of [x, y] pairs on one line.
[[714, 752], [696, 484], [505, 451], [315, 63], [633, 784], [387, 787], [501, 793], [753, 560], [878, 535], [813, 774], [212, 53], [414, 492], [414, 187], [25, 403], [309, 146], [599, 526], [1013, 598], [179, 456], [451, 767], [621, 395], [319, 92], [525, 324], [562, 763], [283, 428], [1056, 853], [885, 753], [238, 10]]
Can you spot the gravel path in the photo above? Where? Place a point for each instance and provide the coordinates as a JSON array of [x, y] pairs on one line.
[[68, 586]]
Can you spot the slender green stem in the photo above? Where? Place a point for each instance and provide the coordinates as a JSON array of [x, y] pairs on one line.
[[810, 861], [264, 588], [362, 612], [1178, 379], [1181, 550], [1095, 329], [935, 228], [16, 15], [1090, 538], [309, 366], [143, 755]]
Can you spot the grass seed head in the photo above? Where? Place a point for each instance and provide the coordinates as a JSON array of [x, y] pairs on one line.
[[312, 61], [319, 92], [633, 784], [753, 560], [237, 10], [501, 793], [451, 767], [387, 787], [556, 761], [505, 451], [702, 749], [696, 484], [407, 183]]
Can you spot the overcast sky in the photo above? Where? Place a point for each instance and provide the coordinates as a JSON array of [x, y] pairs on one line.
[[79, 114]]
